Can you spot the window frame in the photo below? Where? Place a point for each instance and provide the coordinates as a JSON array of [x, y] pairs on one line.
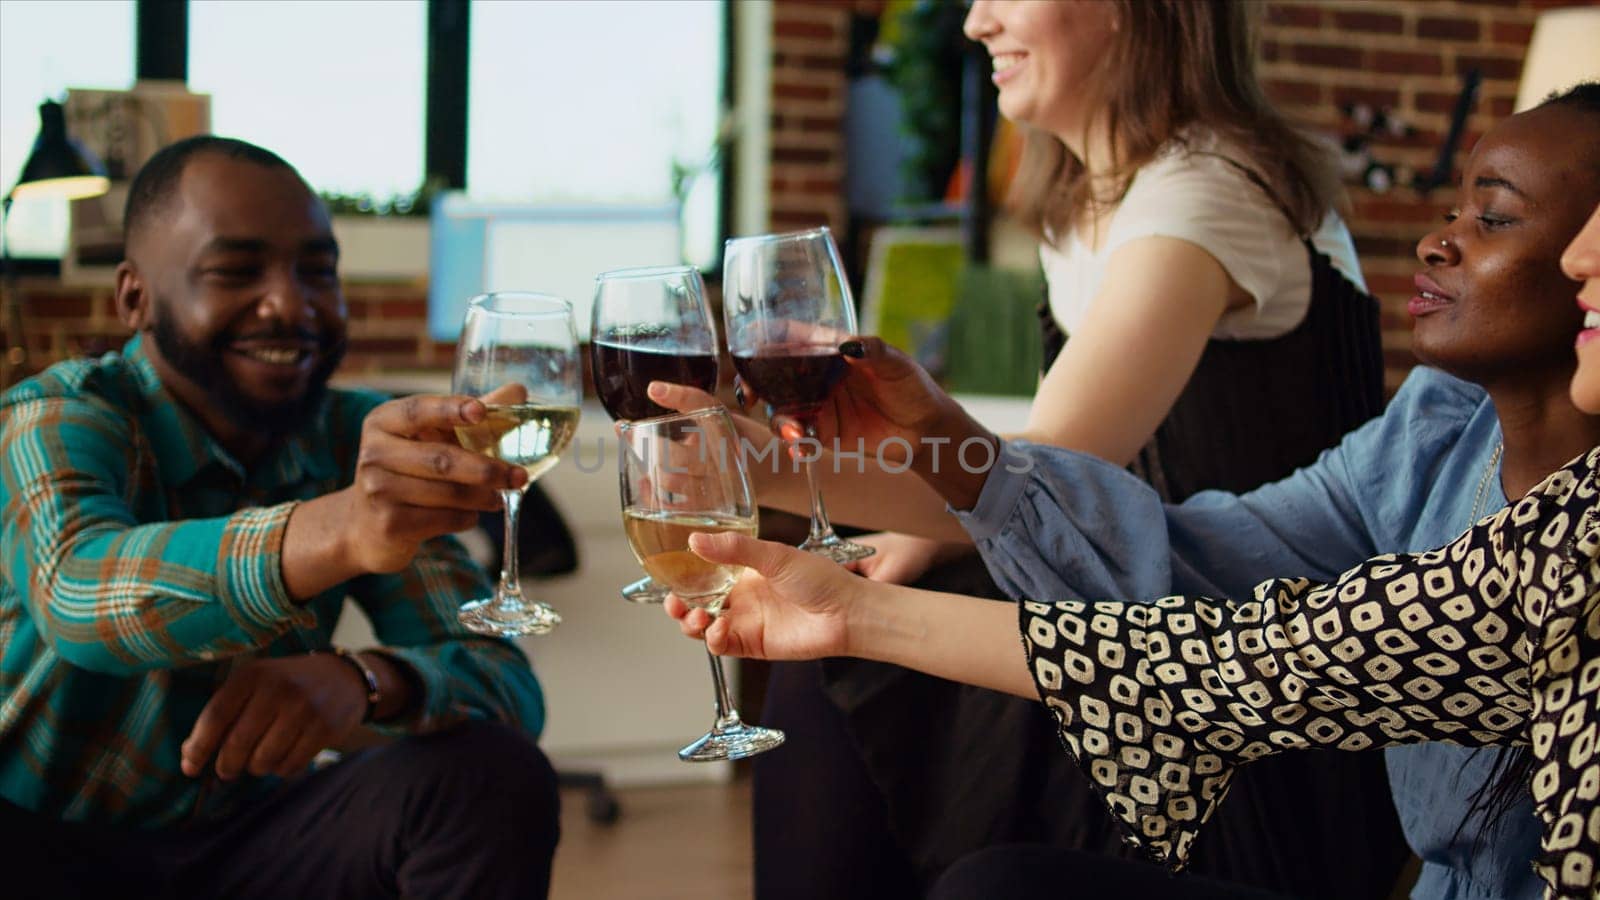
[[449, 60], [161, 51]]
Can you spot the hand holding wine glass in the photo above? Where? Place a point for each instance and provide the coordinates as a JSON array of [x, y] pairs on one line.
[[798, 608], [884, 403], [412, 483], [787, 308], [650, 324], [519, 353], [683, 474]]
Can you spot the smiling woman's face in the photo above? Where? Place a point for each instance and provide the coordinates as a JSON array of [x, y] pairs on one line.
[[1492, 303], [1581, 263], [1043, 54]]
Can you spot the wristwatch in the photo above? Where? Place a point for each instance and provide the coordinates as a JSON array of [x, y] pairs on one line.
[[374, 689]]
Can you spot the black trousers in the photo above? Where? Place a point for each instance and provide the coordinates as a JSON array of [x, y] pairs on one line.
[[877, 802], [820, 825], [471, 812], [1018, 871]]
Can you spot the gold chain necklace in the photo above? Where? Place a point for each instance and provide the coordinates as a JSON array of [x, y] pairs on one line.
[[1483, 482]]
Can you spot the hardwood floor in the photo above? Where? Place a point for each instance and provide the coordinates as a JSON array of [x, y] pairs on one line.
[[687, 842], [678, 843]]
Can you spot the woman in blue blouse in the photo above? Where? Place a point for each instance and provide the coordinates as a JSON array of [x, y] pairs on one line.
[[1492, 309]]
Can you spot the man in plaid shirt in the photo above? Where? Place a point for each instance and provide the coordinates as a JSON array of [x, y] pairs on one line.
[[180, 525]]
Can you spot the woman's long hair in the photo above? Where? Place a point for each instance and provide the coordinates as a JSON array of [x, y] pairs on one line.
[[1171, 64]]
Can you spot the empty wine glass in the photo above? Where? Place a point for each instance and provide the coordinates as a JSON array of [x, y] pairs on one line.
[[649, 324], [682, 474], [522, 349], [787, 307]]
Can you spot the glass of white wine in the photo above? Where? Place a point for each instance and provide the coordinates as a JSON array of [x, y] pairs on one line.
[[521, 350], [682, 474]]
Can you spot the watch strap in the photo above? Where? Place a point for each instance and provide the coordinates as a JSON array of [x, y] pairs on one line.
[[368, 676]]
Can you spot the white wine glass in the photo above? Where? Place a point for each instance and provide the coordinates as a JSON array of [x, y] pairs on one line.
[[682, 474], [524, 348], [649, 324], [787, 307]]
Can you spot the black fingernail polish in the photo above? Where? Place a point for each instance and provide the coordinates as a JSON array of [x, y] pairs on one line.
[[853, 349]]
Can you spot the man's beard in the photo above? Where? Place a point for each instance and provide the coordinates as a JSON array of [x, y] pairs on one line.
[[202, 364]]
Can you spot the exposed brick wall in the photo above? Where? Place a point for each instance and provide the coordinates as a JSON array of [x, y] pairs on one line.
[[388, 325], [1407, 57], [809, 43], [1404, 55]]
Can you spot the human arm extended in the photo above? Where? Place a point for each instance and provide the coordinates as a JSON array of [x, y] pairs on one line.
[[796, 605], [1069, 526], [1159, 702], [114, 587], [1162, 295]]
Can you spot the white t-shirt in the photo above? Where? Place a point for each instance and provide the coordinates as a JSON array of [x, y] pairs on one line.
[[1208, 202]]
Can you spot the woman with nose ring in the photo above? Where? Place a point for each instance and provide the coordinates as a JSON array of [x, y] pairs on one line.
[[1200, 284], [1489, 639]]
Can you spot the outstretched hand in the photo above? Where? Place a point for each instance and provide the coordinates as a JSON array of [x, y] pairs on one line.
[[884, 399], [414, 481], [788, 605], [885, 403], [683, 398]]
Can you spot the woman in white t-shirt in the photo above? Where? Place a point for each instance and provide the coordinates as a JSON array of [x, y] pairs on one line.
[[1191, 191], [1186, 230]]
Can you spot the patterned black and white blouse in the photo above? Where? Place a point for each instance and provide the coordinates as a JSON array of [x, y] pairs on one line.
[[1491, 640]]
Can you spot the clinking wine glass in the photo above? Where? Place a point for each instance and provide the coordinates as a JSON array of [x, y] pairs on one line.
[[524, 347], [649, 324], [682, 474], [787, 307]]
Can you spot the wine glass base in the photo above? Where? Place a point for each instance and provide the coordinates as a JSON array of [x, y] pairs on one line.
[[645, 590], [838, 549], [738, 742], [488, 617]]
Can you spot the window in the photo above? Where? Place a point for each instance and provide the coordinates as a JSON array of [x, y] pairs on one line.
[[335, 87], [597, 104], [572, 105], [47, 47]]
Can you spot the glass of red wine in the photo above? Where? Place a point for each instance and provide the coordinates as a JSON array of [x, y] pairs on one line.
[[649, 324], [787, 307]]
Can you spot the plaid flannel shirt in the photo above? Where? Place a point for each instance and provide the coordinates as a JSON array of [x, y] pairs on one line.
[[137, 559]]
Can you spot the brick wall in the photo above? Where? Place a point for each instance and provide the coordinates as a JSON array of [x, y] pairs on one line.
[[1406, 56], [388, 325], [809, 43], [1317, 55]]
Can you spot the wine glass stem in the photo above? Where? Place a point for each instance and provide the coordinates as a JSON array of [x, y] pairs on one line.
[[727, 713], [510, 582], [821, 530]]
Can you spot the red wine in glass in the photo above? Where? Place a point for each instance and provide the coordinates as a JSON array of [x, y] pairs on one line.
[[787, 305], [623, 372], [794, 379]]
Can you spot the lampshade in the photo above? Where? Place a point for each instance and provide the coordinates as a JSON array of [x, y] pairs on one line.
[[1565, 50], [59, 166]]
